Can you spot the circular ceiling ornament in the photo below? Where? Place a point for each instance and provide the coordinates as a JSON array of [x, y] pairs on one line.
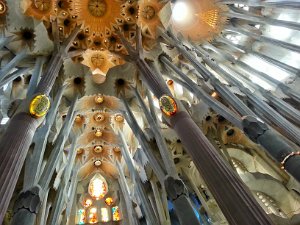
[[99, 99], [97, 163], [2, 8], [39, 106], [167, 105], [99, 117], [97, 7], [98, 148], [148, 12], [119, 118], [79, 151], [98, 133], [97, 15]]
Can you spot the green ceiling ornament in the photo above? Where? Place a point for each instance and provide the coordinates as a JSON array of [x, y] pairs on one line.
[[167, 105]]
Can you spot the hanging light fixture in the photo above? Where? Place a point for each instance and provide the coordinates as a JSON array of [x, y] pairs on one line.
[[98, 187]]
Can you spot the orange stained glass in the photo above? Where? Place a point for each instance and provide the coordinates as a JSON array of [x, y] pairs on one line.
[[116, 213], [81, 216], [109, 201], [93, 218], [87, 202]]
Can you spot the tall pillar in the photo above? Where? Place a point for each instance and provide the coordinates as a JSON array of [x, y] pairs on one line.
[[233, 197], [259, 132], [34, 195], [15, 143]]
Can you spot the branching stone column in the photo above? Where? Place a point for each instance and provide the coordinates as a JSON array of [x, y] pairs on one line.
[[259, 132], [37, 193], [234, 198], [19, 134]]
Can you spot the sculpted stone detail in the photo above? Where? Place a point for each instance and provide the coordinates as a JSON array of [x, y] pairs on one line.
[[175, 188], [29, 200], [253, 127], [97, 7]]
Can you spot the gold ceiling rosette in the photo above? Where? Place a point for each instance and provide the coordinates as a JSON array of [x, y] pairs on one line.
[[97, 15], [148, 18]]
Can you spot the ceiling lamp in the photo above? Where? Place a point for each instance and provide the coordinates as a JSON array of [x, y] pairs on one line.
[[98, 187]]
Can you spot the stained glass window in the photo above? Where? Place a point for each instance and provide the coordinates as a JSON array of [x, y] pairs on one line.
[[87, 202], [98, 187], [104, 215], [116, 213], [109, 201], [81, 216], [93, 218]]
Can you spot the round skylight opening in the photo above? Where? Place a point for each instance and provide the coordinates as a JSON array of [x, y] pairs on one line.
[[181, 12]]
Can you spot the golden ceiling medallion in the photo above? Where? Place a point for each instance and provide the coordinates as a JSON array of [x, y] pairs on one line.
[[97, 163], [99, 117], [148, 12], [99, 98], [97, 7], [98, 148], [2, 7], [119, 118], [39, 106], [79, 151], [98, 133]]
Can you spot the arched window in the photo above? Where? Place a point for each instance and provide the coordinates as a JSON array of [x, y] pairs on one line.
[[116, 213], [93, 217], [81, 216], [105, 217]]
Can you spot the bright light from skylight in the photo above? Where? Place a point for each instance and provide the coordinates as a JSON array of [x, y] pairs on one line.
[[4, 120], [266, 68], [182, 13]]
